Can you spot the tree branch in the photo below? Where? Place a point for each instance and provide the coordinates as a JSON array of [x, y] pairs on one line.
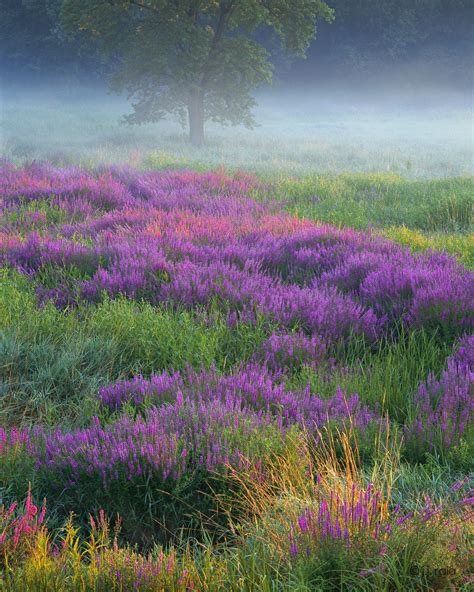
[[145, 6], [224, 14]]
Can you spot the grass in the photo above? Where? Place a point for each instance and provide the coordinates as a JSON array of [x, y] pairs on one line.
[[458, 245], [381, 200], [53, 362]]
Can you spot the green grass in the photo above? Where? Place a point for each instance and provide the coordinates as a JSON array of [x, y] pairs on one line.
[[459, 245], [53, 362], [379, 200], [387, 376]]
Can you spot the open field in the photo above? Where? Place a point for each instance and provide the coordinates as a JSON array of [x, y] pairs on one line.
[[221, 380]]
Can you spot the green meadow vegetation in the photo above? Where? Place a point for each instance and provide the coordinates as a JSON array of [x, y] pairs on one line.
[[245, 528]]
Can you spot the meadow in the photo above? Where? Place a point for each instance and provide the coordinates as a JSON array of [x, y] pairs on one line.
[[248, 367], [209, 380]]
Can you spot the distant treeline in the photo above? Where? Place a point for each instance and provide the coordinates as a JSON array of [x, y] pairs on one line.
[[34, 45], [365, 30], [364, 33]]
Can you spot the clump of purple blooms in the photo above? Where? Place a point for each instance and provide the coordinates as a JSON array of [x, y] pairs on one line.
[[193, 239], [253, 387], [340, 518], [290, 351], [157, 390], [444, 407], [362, 515]]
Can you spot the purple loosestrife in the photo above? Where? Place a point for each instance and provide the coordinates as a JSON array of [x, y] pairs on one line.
[[362, 517], [359, 515], [36, 252], [194, 239], [253, 387], [157, 390], [40, 181], [465, 351], [291, 351], [444, 407], [166, 443]]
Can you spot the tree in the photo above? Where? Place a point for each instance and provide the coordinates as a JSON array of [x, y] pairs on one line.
[[194, 57]]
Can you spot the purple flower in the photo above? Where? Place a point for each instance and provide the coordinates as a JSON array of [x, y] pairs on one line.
[[445, 406]]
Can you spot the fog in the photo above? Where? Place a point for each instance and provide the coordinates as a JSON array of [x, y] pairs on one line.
[[334, 126]]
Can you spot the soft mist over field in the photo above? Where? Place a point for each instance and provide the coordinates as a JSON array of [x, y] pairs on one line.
[[405, 129]]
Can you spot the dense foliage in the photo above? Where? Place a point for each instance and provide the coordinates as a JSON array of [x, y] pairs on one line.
[[371, 32], [34, 47]]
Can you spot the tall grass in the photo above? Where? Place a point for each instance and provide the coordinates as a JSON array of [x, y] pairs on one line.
[[53, 361], [380, 200], [269, 526]]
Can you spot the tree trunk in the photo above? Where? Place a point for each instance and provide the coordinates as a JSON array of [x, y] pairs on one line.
[[196, 118]]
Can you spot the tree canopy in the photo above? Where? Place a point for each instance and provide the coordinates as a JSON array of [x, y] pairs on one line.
[[199, 58]]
